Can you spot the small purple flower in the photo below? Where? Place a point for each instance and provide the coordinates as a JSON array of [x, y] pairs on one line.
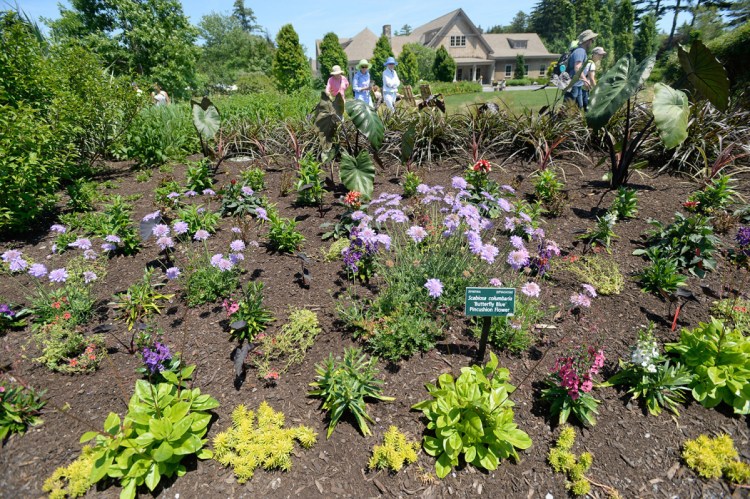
[[580, 300], [216, 259], [225, 265], [89, 254], [423, 188], [165, 242], [589, 290], [201, 235], [489, 253], [434, 287], [510, 224], [173, 195], [262, 214], [38, 270], [209, 192], [496, 282], [516, 242], [236, 258], [172, 273], [152, 216], [508, 188], [191, 194], [89, 276], [18, 265], [180, 227], [358, 215], [11, 255], [58, 275], [518, 258], [60, 229], [743, 237], [236, 230], [417, 233], [459, 183], [475, 241], [384, 240], [237, 245], [112, 238], [156, 357], [81, 243], [160, 230], [247, 191], [108, 247], [531, 289]]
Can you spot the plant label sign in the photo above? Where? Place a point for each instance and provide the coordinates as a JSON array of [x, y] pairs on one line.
[[490, 302]]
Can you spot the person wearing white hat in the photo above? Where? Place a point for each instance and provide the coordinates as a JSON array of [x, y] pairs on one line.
[[589, 71], [337, 83], [575, 64], [390, 83], [361, 82]]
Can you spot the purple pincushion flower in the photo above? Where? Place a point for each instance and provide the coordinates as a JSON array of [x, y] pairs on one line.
[[172, 273], [589, 290], [516, 242], [173, 195], [112, 238], [201, 235], [496, 282], [216, 259], [237, 245], [434, 287], [81, 243], [531, 289], [580, 300], [459, 183], [89, 276], [108, 247], [160, 230], [247, 191], [60, 229], [518, 259], [191, 194], [262, 214], [417, 233], [58, 275], [489, 253], [165, 242], [180, 227], [236, 258], [152, 216], [236, 230], [209, 192], [38, 270], [743, 237]]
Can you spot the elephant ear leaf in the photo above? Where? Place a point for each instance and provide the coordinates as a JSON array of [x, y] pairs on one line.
[[358, 174], [206, 118], [407, 143], [326, 121], [367, 121], [616, 87], [671, 111], [706, 73]]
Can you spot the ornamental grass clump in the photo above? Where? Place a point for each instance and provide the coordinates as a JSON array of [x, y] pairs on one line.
[[395, 451], [259, 440], [472, 417], [715, 458]]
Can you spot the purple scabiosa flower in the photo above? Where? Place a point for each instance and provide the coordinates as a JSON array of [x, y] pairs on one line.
[[11, 255], [172, 273], [160, 230], [524, 217], [488, 253], [510, 224], [451, 223], [237, 245], [538, 233], [552, 248], [89, 276], [209, 192], [225, 265], [236, 230], [358, 215], [434, 287], [180, 227], [112, 238], [474, 240], [531, 289], [58, 275], [504, 205], [18, 265], [496, 282], [236, 258], [201, 210], [173, 195], [589, 290], [81, 243], [508, 188], [60, 229], [201, 235], [152, 216], [108, 247], [216, 259], [155, 358], [518, 259], [351, 258], [423, 188], [89, 254], [254, 244], [516, 242], [262, 214], [384, 240], [368, 235], [38, 270], [165, 242], [459, 183], [743, 236], [417, 233], [191, 194], [247, 191], [580, 300]]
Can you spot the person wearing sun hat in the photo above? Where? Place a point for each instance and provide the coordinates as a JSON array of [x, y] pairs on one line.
[[337, 83], [390, 83], [361, 82], [589, 71], [575, 62]]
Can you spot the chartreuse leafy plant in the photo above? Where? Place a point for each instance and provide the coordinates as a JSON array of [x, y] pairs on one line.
[[73, 480], [472, 417], [719, 358], [259, 440], [309, 182], [140, 301], [344, 387], [164, 425], [715, 196], [599, 270], [395, 451], [715, 458], [279, 351]]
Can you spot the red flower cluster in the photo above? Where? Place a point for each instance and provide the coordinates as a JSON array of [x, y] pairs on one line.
[[576, 371], [353, 199], [483, 166], [691, 205], [271, 376]]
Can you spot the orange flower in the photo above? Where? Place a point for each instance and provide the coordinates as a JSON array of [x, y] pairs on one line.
[[73, 362], [483, 166], [66, 315], [92, 357], [56, 304]]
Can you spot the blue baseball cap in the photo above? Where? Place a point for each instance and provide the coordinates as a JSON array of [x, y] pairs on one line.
[[391, 60]]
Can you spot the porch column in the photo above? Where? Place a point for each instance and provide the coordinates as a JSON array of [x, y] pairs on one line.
[[474, 72]]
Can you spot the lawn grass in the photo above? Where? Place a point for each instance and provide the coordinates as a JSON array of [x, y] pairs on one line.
[[516, 100]]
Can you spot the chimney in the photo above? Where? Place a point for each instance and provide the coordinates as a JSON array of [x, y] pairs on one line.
[[387, 30]]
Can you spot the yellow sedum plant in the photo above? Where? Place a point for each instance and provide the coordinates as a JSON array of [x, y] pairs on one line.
[[395, 451], [72, 480], [259, 440], [714, 458]]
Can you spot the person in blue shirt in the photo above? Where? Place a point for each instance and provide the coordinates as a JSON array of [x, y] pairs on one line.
[[575, 62], [361, 83]]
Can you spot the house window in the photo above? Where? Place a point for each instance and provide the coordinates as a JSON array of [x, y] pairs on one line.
[[526, 70], [518, 44], [459, 74], [508, 70], [542, 70], [458, 41]]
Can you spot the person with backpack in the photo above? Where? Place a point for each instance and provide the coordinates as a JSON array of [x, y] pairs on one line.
[[575, 64], [589, 71]]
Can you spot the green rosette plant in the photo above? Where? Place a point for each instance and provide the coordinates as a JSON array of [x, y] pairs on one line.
[[472, 416]]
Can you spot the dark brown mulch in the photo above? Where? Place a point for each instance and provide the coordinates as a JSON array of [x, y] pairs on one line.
[[635, 453]]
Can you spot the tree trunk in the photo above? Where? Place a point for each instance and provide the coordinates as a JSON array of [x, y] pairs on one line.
[[674, 24], [695, 9]]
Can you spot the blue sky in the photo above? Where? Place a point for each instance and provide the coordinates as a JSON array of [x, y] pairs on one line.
[[312, 19]]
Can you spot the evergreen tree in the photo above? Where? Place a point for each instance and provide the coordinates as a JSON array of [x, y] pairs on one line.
[[444, 66], [405, 30], [622, 28], [245, 16], [408, 67], [425, 59], [739, 13], [607, 9], [555, 22], [520, 23], [647, 40], [331, 54], [520, 67], [290, 66], [587, 16], [381, 53]]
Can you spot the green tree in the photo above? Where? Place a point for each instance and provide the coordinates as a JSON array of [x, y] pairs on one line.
[[647, 40], [425, 59], [331, 54], [290, 66], [444, 67], [408, 67], [707, 24], [520, 23], [622, 28], [587, 16], [404, 31], [607, 8], [245, 16], [739, 13], [380, 54], [555, 22], [520, 66]]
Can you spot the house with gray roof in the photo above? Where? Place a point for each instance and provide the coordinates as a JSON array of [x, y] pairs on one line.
[[479, 57]]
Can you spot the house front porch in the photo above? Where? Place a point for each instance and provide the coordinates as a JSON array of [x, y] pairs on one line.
[[479, 70]]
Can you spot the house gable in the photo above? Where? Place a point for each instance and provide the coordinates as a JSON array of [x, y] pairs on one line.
[[461, 37]]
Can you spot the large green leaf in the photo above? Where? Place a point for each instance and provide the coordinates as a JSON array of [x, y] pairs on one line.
[[407, 143], [671, 112], [614, 89], [367, 121], [358, 174], [326, 121], [206, 118], [706, 73]]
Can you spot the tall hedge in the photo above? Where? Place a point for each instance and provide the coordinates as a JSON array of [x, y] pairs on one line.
[[444, 66], [290, 66], [381, 53], [331, 54]]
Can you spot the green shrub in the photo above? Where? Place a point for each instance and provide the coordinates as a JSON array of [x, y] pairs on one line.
[[199, 176], [472, 417], [160, 134], [625, 204], [255, 83], [456, 87], [20, 408], [662, 275], [283, 234], [206, 284], [255, 178]]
